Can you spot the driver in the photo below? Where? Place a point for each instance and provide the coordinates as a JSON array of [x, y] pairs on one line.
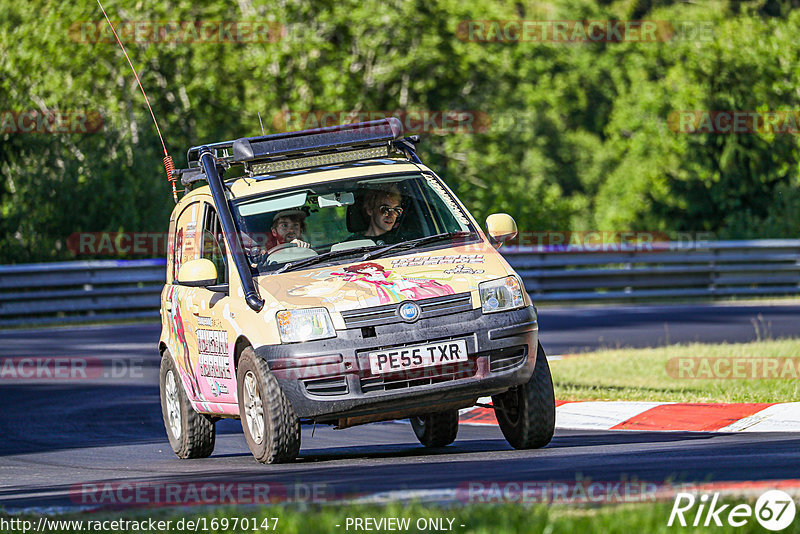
[[288, 226]]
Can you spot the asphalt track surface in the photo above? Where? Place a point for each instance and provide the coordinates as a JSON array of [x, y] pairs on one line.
[[57, 435]]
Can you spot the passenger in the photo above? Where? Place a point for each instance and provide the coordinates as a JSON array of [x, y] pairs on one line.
[[383, 210]]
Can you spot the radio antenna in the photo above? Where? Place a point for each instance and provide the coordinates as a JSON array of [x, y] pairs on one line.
[[261, 123], [169, 166]]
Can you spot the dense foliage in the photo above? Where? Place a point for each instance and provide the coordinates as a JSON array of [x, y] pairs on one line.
[[579, 134]]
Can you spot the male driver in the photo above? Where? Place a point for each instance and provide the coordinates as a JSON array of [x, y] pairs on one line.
[[288, 226]]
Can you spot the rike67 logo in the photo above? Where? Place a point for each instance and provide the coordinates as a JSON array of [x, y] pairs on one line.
[[774, 510]]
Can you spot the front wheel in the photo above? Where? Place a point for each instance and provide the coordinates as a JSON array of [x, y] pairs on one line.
[[191, 434], [436, 429], [527, 413], [271, 428]]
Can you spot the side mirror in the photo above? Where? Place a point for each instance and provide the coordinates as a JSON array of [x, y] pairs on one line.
[[501, 227], [197, 273]]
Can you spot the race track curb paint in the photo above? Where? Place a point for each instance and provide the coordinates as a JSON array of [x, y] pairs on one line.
[[661, 416]]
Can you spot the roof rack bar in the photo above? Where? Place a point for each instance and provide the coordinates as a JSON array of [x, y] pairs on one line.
[[193, 154], [330, 138], [408, 146]]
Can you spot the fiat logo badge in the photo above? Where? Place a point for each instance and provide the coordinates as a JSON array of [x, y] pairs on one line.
[[409, 311]]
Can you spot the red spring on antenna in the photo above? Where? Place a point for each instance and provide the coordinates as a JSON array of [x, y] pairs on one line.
[[169, 166]]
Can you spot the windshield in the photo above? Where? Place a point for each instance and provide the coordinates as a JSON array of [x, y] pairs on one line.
[[339, 220]]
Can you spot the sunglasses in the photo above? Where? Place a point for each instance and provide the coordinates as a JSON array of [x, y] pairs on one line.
[[386, 210]]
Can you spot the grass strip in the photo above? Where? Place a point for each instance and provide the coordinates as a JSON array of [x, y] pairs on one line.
[[761, 371]]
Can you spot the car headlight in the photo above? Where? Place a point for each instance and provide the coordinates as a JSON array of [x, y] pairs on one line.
[[501, 295], [305, 325]]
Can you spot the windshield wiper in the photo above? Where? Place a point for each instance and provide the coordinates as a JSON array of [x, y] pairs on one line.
[[323, 257], [415, 243], [370, 250]]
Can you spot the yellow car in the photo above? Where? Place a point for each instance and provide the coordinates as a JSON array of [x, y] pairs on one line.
[[328, 276]]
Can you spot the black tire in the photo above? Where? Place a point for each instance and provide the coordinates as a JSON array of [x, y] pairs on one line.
[[436, 429], [191, 435], [527, 413], [275, 434]]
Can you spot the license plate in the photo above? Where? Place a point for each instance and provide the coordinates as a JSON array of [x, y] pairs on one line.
[[417, 356]]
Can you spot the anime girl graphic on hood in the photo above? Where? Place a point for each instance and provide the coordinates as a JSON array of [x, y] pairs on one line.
[[391, 286]]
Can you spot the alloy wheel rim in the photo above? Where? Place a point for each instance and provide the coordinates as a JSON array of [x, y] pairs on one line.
[[253, 407], [173, 405]]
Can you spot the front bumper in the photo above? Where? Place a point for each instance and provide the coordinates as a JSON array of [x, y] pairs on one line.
[[330, 379]]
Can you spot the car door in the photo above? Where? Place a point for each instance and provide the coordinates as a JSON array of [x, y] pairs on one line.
[[200, 337], [178, 299], [214, 336]]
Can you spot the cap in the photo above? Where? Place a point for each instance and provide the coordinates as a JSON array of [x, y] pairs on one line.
[[290, 213]]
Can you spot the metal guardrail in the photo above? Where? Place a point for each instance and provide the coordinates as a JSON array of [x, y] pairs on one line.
[[99, 290], [41, 293], [659, 270]]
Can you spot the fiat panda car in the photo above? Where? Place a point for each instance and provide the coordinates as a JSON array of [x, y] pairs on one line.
[[328, 276]]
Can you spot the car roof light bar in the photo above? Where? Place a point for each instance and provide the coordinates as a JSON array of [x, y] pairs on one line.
[[330, 158], [321, 139], [304, 142]]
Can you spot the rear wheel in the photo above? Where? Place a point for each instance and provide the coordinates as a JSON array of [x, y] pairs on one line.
[[527, 413], [191, 435], [271, 428], [436, 429]]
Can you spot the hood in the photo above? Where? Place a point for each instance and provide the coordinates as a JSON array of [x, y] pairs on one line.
[[414, 276]]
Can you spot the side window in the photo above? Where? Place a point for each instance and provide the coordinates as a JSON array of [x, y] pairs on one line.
[[214, 244], [172, 271], [184, 242], [449, 217]]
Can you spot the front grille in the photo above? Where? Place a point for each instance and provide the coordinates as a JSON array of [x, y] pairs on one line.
[[387, 314], [414, 377], [508, 358], [418, 377], [326, 386]]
